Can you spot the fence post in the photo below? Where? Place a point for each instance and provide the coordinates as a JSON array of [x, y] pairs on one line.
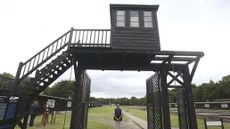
[[222, 123], [205, 124]]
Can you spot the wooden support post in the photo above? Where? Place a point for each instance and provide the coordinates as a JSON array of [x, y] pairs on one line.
[[76, 116], [182, 116], [189, 99], [165, 99], [150, 102]]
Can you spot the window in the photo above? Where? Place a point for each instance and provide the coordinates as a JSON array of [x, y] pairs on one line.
[[206, 105], [148, 20], [134, 19], [120, 18], [224, 105]]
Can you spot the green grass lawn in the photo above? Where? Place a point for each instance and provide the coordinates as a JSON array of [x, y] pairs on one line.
[[138, 112], [101, 118], [105, 112], [100, 112]]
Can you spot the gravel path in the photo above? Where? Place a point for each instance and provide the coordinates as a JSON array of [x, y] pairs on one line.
[[129, 124]]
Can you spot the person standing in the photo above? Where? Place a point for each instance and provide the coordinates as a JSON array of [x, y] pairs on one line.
[[117, 116], [34, 108], [45, 118]]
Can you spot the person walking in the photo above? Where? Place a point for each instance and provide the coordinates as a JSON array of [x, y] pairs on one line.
[[34, 108], [117, 116]]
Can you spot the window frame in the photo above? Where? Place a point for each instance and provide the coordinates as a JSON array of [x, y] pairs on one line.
[[138, 21], [120, 21], [145, 21]]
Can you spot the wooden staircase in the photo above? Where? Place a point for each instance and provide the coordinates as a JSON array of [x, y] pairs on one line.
[[46, 66], [37, 73], [47, 75]]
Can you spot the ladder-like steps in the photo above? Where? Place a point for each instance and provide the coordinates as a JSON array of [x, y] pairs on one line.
[[52, 71]]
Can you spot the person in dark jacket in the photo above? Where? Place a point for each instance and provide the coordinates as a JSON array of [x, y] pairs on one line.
[[34, 108], [117, 116]]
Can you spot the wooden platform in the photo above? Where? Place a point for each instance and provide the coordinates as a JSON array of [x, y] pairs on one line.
[[142, 60]]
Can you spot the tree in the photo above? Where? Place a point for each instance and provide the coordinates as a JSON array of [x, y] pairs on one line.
[[172, 95], [7, 75], [6, 82], [133, 100], [61, 89], [210, 91], [224, 87], [198, 93]]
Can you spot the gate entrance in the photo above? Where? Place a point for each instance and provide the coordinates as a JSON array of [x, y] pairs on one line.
[[169, 67]]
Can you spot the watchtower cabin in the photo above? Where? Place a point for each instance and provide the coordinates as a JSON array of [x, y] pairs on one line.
[[134, 27], [131, 40]]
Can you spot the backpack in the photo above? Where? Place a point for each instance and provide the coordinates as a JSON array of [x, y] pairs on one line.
[[118, 114]]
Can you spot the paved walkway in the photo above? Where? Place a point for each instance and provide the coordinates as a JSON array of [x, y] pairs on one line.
[[129, 124], [140, 122]]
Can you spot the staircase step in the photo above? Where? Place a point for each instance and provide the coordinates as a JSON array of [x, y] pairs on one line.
[[50, 67], [55, 61], [48, 74], [45, 85]]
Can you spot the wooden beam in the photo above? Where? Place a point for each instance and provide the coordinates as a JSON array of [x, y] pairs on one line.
[[128, 67]]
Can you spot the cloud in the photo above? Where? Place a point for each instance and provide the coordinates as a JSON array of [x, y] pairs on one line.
[[198, 25], [119, 84]]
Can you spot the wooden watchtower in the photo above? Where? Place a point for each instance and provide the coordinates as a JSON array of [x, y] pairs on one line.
[[132, 43]]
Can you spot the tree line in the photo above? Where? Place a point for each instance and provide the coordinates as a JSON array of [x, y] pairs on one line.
[[208, 91], [204, 92]]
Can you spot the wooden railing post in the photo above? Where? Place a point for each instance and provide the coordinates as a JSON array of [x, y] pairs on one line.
[[71, 35], [17, 83]]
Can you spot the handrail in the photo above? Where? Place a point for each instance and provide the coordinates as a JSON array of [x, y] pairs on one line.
[[45, 54], [91, 37], [74, 37]]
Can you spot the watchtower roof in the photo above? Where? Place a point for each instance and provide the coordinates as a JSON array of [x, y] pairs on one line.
[[134, 6]]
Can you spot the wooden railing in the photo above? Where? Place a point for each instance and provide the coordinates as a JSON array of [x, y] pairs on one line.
[[44, 55], [91, 38], [74, 37], [6, 84]]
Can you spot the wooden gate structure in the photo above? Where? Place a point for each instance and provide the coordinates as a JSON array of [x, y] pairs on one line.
[[132, 43]]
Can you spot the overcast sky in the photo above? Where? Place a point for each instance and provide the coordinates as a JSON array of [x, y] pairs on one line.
[[27, 26]]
